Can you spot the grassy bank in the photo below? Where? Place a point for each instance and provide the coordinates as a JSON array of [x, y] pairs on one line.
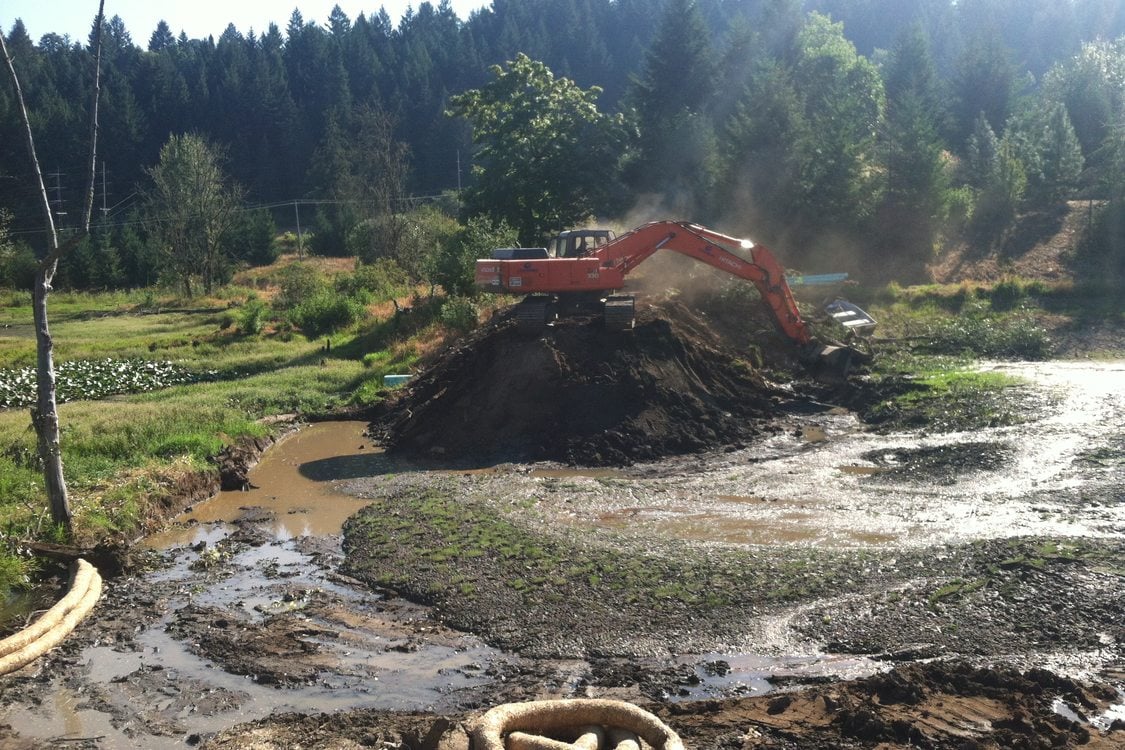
[[930, 339], [125, 451]]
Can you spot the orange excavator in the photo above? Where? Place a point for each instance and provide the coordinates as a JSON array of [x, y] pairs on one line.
[[583, 271]]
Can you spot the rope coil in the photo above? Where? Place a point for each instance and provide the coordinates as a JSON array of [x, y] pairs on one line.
[[56, 624], [580, 724]]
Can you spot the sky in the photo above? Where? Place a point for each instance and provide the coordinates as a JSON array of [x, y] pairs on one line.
[[197, 18]]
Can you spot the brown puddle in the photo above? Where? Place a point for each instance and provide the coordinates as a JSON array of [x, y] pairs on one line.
[[791, 527], [295, 484]]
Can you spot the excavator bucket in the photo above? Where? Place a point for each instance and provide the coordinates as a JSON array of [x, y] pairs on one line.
[[834, 361]]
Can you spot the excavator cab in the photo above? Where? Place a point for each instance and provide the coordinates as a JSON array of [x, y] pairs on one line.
[[575, 243]]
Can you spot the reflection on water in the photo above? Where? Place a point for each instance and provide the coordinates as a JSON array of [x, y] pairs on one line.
[[817, 485], [17, 607]]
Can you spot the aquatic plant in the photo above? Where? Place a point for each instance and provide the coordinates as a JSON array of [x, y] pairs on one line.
[[96, 379]]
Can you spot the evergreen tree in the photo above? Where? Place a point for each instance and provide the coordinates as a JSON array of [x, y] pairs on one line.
[[910, 73], [761, 152], [985, 82], [982, 153], [1045, 143], [1092, 86], [161, 38], [915, 203], [999, 200], [677, 145], [843, 106], [1102, 250]]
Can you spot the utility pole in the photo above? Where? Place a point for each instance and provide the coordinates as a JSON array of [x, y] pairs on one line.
[[458, 171], [300, 246], [57, 203], [105, 207]]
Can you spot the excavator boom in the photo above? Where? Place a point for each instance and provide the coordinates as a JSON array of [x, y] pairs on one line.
[[532, 271]]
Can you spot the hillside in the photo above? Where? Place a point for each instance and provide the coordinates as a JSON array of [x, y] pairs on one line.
[[1042, 245]]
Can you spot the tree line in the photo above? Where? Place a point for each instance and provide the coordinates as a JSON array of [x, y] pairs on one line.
[[865, 133]]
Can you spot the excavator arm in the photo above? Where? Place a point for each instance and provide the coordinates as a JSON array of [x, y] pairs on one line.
[[714, 249], [530, 270], [553, 284]]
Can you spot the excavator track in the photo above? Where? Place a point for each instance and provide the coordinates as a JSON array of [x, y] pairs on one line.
[[620, 313], [531, 314]]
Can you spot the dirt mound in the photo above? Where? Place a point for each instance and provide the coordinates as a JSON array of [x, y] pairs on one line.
[[581, 394]]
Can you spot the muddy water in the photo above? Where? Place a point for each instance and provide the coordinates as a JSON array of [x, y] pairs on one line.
[[854, 488], [825, 482], [155, 691], [294, 484]]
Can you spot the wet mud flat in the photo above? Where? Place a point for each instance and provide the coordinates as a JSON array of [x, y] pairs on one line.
[[823, 587]]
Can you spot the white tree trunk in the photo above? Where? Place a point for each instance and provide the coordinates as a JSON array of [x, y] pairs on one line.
[[45, 415]]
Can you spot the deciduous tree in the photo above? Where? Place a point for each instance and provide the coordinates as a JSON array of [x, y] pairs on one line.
[[44, 415], [546, 157]]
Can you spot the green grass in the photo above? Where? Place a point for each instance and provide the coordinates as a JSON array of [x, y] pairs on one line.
[[123, 452], [943, 393], [427, 542]]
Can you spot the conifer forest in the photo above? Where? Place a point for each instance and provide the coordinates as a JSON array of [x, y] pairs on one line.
[[874, 132]]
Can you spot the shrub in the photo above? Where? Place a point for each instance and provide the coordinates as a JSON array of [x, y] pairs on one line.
[[18, 266], [1015, 337], [325, 312], [460, 314], [299, 282], [1006, 295], [380, 280], [455, 261], [252, 317]]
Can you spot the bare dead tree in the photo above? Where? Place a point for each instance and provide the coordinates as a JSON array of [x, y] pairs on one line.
[[44, 415]]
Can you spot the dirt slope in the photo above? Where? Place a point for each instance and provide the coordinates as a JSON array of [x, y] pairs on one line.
[[1042, 245]]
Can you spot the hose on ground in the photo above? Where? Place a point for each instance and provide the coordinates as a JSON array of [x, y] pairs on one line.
[[56, 624], [580, 724]]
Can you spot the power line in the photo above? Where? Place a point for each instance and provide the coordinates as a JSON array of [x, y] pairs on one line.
[[113, 210]]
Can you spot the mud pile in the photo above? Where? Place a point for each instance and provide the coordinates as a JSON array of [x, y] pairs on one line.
[[580, 394]]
